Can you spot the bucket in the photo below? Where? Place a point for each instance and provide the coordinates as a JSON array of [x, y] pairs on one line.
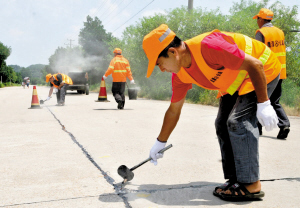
[[132, 93]]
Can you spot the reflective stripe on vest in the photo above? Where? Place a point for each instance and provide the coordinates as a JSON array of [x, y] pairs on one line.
[[119, 71], [243, 73], [227, 80], [281, 54], [119, 61]]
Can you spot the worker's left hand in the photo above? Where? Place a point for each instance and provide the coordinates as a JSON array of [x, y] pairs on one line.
[[155, 149], [132, 82], [266, 115]]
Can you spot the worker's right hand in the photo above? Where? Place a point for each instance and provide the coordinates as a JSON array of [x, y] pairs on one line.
[[48, 98], [266, 115], [155, 149], [104, 77]]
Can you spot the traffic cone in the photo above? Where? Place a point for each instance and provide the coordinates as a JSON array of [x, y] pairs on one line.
[[35, 103], [102, 92]]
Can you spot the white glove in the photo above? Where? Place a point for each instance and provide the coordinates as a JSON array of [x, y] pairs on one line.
[[266, 115], [132, 82], [155, 149], [104, 77], [48, 98], [55, 90]]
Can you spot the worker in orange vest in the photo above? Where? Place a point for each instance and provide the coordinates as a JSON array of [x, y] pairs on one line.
[[245, 72], [120, 69], [59, 82], [273, 37]]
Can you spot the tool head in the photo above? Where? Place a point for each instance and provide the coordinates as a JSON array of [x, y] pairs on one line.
[[125, 173], [41, 102]]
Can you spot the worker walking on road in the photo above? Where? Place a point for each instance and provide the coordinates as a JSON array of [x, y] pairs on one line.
[[120, 69], [245, 72], [273, 37], [60, 82]]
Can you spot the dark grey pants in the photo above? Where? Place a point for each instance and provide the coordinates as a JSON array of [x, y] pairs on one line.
[[61, 94], [275, 97], [236, 127], [118, 90]]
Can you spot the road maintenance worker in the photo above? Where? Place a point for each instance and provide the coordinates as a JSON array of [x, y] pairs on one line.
[[120, 69], [60, 82], [273, 37], [245, 72]]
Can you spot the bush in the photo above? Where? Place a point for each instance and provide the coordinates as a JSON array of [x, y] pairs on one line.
[[290, 94]]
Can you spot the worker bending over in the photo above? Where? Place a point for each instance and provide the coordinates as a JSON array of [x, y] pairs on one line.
[[60, 82], [245, 72]]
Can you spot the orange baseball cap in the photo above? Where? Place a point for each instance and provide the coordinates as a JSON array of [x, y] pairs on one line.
[[118, 50], [155, 42], [264, 14], [48, 76]]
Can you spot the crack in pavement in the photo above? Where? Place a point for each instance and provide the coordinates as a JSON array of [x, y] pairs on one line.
[[46, 201], [129, 191], [109, 179], [197, 186], [120, 190]]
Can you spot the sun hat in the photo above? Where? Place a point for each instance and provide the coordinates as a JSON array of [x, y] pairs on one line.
[[155, 42], [264, 14]]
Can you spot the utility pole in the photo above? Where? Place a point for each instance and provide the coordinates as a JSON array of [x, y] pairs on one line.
[[190, 7], [70, 43]]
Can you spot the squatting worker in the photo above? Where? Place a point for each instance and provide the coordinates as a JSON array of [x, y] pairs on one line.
[[245, 72], [273, 37], [60, 82], [120, 69]]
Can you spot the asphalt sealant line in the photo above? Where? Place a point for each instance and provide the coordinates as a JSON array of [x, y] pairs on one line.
[[109, 179], [120, 188], [49, 201]]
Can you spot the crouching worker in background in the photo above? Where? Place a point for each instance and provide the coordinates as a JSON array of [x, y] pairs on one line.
[[60, 82]]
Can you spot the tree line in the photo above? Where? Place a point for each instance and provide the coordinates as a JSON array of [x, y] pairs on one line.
[[94, 51]]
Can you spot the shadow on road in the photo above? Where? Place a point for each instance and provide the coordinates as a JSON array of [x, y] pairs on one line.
[[113, 109], [191, 194]]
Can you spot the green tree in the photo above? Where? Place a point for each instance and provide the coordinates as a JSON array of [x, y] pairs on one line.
[[93, 38], [7, 73], [96, 44], [189, 24]]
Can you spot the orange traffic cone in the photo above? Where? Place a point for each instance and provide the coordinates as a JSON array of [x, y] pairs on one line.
[[35, 103], [102, 93]]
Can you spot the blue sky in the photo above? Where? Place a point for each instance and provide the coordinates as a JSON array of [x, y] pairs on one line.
[[35, 28]]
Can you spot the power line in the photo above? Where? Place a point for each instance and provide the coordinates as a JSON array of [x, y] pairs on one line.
[[100, 16], [133, 16], [110, 13], [122, 9]]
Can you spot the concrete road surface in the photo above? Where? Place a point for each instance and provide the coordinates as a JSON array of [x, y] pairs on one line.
[[68, 156]]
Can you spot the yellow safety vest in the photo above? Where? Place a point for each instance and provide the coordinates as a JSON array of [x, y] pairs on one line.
[[228, 80], [274, 39]]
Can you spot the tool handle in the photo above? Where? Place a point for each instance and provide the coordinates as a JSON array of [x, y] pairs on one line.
[[148, 159]]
